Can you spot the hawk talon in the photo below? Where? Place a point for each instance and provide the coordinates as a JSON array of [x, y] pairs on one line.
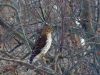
[[45, 59]]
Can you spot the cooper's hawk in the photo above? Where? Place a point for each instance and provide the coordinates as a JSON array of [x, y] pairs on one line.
[[42, 45]]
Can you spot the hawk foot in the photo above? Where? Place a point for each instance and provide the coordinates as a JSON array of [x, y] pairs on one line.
[[44, 59]]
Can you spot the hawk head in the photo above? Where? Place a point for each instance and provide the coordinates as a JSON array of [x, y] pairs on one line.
[[46, 30]]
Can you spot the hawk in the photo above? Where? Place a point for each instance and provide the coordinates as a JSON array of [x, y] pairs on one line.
[[42, 45]]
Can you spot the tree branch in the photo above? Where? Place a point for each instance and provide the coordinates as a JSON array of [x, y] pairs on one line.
[[6, 53], [5, 25], [47, 71]]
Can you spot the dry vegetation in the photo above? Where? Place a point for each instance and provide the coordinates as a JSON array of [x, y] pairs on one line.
[[72, 21]]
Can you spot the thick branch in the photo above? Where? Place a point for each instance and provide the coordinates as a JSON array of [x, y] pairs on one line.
[[46, 71]]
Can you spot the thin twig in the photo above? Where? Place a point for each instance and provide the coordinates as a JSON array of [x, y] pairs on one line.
[[4, 24], [6, 53]]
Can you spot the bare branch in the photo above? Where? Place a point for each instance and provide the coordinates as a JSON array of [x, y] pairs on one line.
[[47, 71]]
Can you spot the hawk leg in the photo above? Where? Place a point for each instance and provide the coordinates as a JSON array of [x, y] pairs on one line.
[[44, 58]]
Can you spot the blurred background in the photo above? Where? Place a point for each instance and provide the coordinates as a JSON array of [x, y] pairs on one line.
[[75, 47]]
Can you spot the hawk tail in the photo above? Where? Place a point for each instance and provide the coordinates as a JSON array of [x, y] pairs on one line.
[[31, 59]]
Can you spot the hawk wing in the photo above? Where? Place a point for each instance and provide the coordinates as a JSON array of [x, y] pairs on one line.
[[40, 43]]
